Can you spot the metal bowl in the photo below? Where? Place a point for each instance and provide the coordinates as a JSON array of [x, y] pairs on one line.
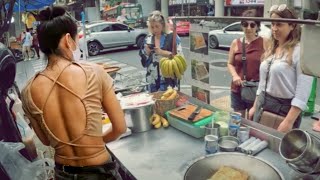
[[204, 167], [228, 143]]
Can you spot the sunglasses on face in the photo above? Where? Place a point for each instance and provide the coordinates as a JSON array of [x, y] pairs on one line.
[[246, 24]]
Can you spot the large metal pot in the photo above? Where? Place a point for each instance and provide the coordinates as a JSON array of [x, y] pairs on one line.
[[138, 118], [204, 167], [301, 150]]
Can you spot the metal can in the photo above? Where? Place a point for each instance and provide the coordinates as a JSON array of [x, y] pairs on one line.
[[243, 134], [211, 144], [233, 130], [235, 119]]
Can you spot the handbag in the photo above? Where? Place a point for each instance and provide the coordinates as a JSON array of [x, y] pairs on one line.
[[249, 88], [277, 105], [271, 119]]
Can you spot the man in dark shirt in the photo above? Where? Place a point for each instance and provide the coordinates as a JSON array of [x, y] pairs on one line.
[[35, 43]]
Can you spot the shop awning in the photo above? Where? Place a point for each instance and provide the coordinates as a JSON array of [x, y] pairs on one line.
[[31, 5]]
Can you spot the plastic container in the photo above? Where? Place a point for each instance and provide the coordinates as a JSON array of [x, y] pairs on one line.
[[312, 99], [185, 127]]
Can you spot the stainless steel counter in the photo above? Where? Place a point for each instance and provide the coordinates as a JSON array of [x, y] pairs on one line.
[[166, 154]]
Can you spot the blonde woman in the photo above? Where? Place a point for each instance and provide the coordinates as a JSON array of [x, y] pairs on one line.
[[283, 89], [157, 44]]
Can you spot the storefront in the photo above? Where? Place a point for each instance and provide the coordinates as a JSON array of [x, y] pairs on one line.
[[236, 7], [192, 8]]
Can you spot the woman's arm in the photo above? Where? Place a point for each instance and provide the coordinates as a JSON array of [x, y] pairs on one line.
[[302, 93], [168, 54], [34, 124], [288, 122], [235, 77], [145, 53], [112, 107]]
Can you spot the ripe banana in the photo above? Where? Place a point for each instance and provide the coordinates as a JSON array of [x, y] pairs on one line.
[[176, 69], [168, 92], [161, 61], [163, 68], [182, 60], [173, 95], [170, 69], [157, 126], [164, 122], [155, 119], [180, 65]]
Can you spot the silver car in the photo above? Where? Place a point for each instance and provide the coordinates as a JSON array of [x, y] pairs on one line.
[[102, 35], [225, 36]]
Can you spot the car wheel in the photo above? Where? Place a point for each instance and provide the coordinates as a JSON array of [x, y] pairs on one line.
[[93, 48], [213, 42], [140, 41]]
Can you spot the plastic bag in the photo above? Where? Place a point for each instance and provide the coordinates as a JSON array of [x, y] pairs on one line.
[[18, 167]]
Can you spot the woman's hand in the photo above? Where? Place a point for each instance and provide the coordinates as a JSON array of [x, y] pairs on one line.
[[237, 80], [159, 51], [285, 126], [251, 113]]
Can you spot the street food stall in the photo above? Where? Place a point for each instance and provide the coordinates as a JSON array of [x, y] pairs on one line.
[[169, 153], [182, 151]]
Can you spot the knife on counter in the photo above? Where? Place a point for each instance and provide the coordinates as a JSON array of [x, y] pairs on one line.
[[194, 113]]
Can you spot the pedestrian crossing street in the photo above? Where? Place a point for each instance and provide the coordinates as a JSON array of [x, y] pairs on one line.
[[125, 71]]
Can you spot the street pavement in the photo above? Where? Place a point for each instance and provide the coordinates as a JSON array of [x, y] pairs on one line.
[[129, 61]]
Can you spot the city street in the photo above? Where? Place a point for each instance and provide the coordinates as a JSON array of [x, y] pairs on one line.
[[129, 61]]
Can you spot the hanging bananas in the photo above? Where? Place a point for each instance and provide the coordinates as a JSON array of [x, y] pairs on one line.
[[173, 68]]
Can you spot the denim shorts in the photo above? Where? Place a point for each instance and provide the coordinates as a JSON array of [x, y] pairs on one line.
[[237, 104]]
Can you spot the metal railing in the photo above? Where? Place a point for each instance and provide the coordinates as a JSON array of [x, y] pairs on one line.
[[297, 21]]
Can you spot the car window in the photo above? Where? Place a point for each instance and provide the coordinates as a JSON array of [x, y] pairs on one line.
[[100, 28], [119, 27], [235, 27], [106, 27]]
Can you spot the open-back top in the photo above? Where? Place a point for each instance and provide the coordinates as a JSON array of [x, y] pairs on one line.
[[98, 83]]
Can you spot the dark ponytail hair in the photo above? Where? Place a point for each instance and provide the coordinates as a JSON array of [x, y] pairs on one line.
[[55, 22]]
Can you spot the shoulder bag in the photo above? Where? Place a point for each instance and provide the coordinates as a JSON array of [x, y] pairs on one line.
[[273, 110], [249, 88]]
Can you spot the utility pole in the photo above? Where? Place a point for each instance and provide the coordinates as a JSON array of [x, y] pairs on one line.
[[182, 11], [188, 7], [83, 20], [164, 8]]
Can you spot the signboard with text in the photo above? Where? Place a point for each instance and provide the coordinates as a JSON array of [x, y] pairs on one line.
[[173, 2], [244, 2]]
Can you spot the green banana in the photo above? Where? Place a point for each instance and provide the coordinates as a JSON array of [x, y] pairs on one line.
[[176, 69]]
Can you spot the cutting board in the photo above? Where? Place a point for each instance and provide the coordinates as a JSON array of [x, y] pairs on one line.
[[185, 111]]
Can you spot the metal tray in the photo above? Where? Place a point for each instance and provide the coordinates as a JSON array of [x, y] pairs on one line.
[[257, 169]]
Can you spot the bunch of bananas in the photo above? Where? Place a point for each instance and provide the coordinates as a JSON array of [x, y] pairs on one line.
[[169, 94], [157, 120], [173, 68]]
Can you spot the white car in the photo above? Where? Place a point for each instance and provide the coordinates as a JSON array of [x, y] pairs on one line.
[[101, 35], [224, 37]]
